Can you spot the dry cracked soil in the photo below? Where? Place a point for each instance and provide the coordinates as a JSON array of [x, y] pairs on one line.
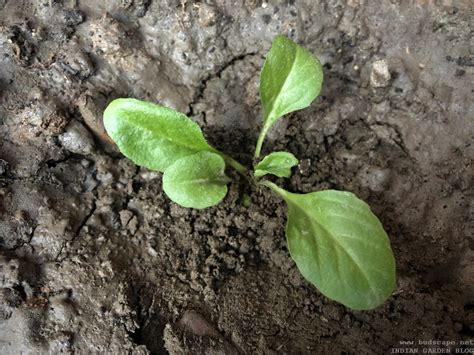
[[95, 259]]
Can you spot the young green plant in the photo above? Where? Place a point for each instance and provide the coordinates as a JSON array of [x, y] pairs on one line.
[[336, 241]]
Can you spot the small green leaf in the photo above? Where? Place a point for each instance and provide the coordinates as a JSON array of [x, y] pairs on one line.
[[276, 163], [196, 181], [151, 135], [339, 246], [291, 79]]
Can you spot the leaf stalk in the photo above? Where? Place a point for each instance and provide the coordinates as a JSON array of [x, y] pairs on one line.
[[233, 163], [275, 188], [261, 137]]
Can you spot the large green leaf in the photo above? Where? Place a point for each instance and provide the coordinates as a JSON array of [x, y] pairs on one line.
[[276, 163], [340, 246], [196, 181], [151, 135], [291, 79]]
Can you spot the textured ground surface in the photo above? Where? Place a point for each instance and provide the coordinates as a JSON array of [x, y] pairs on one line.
[[93, 256]]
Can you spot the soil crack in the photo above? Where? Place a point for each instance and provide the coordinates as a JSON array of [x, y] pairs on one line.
[[78, 231]]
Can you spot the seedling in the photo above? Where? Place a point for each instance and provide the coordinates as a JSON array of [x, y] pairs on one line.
[[336, 241]]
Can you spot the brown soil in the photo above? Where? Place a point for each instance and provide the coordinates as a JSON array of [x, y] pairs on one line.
[[95, 258]]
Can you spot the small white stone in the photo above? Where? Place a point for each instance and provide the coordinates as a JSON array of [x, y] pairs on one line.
[[77, 139], [149, 175], [206, 15], [380, 76], [125, 217]]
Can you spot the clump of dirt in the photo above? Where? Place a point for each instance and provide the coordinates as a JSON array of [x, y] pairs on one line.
[[94, 257]]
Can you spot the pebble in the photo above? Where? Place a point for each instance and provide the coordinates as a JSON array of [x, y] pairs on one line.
[[206, 15], [77, 139], [149, 175], [125, 217], [380, 76]]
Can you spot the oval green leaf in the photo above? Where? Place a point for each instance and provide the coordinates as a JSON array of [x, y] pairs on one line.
[[276, 163], [196, 181], [340, 246], [151, 135], [291, 79]]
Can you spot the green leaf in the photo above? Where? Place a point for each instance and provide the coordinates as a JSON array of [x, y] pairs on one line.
[[291, 79], [276, 163], [339, 246], [196, 181], [151, 135]]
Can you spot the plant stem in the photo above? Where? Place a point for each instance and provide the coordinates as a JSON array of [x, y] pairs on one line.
[[234, 163], [275, 188], [261, 137]]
